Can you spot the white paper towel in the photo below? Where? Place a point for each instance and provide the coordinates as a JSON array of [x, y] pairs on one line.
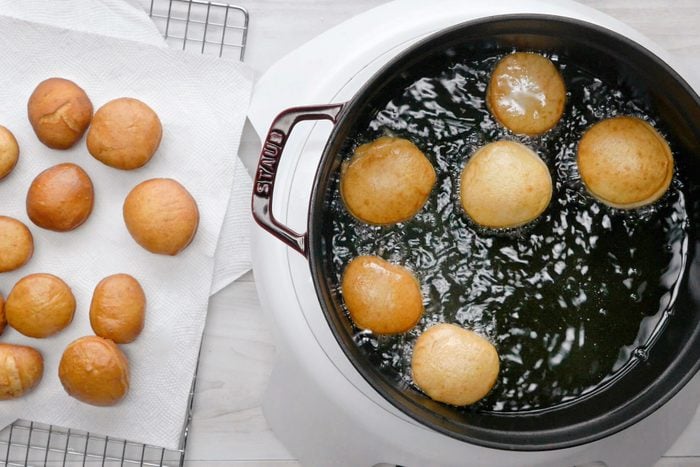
[[200, 139], [114, 18], [118, 18]]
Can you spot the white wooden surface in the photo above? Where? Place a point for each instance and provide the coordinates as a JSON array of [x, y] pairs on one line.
[[228, 426]]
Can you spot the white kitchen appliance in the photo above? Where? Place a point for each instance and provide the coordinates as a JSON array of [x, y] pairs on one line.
[[317, 403]]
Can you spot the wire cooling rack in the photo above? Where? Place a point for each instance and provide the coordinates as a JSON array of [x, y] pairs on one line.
[[208, 28], [29, 443], [32, 444]]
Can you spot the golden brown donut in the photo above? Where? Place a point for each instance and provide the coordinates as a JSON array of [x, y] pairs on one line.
[[453, 365], [505, 185], [386, 181], [16, 244], [118, 308], [3, 319], [526, 93], [94, 370], [40, 305], [60, 198], [9, 152], [21, 369], [624, 162], [125, 133], [380, 296], [60, 112], [161, 215]]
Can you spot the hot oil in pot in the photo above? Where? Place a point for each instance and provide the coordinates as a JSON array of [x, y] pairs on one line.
[[569, 301]]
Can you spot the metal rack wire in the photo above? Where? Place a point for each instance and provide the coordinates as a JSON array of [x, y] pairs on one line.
[[216, 29], [29, 443], [213, 28]]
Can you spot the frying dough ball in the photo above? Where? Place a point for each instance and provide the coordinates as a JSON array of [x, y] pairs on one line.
[[117, 309], [16, 244], [624, 162], [9, 152], [453, 365], [21, 369], [40, 305], [60, 198], [3, 319], [386, 181], [125, 133], [161, 215], [380, 296], [526, 93], [95, 371], [60, 112], [505, 185]]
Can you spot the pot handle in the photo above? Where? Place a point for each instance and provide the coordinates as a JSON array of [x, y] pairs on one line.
[[264, 184]]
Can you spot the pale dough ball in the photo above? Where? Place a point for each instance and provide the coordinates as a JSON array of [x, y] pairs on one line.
[[453, 365], [624, 162], [380, 296], [526, 93], [386, 181], [505, 185]]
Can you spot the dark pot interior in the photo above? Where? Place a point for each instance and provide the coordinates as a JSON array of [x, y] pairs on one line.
[[672, 360]]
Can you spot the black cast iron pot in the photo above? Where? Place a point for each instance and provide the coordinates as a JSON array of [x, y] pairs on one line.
[[675, 356]]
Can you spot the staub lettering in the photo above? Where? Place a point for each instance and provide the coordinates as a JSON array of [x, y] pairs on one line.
[[268, 162]]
